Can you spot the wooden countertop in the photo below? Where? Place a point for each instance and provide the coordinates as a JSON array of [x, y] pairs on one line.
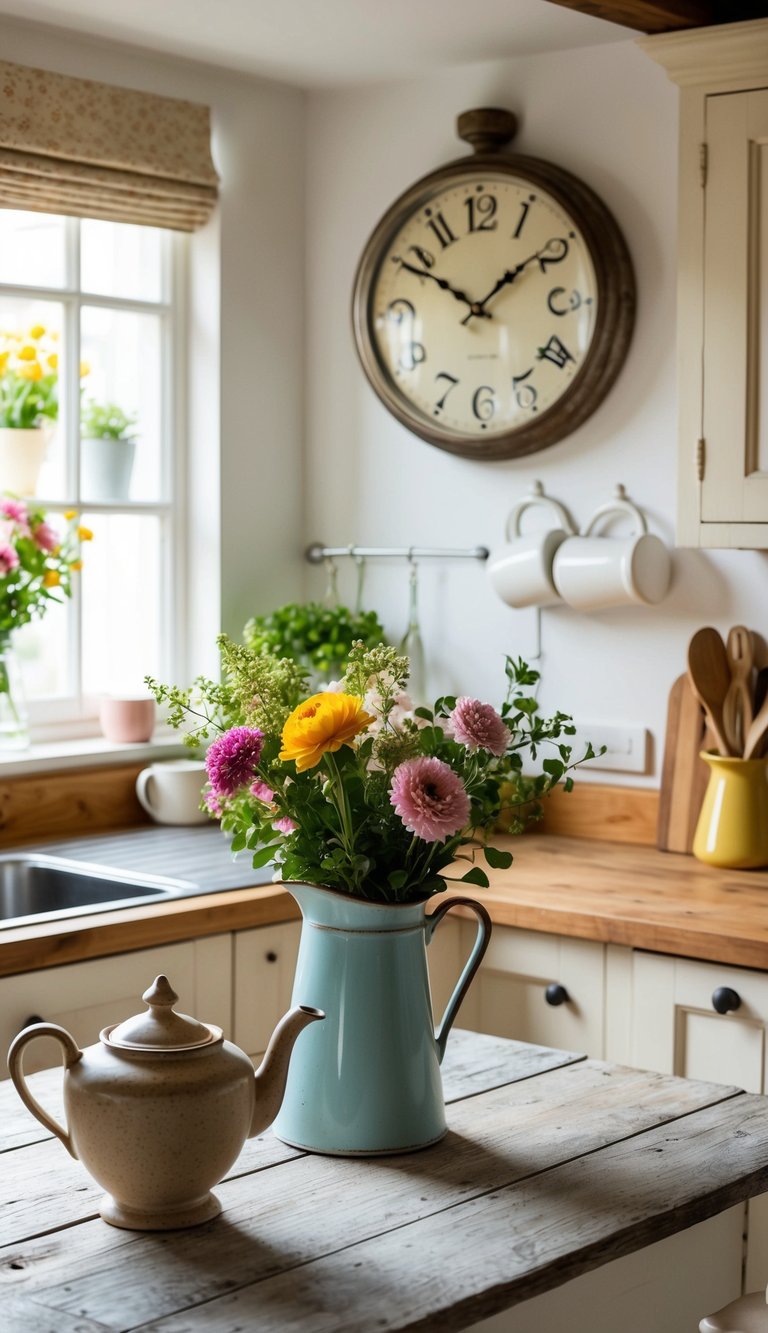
[[543, 1176], [616, 893]]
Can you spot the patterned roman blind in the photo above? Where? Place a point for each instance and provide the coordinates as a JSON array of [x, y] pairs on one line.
[[84, 148]]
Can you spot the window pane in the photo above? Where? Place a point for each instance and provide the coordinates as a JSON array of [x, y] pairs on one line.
[[41, 648], [32, 351], [118, 259], [32, 249], [121, 583], [121, 397]]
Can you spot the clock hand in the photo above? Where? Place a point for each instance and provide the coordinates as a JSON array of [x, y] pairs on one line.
[[504, 281], [445, 286]]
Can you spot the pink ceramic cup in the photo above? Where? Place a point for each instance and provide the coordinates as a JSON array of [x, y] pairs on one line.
[[127, 721]]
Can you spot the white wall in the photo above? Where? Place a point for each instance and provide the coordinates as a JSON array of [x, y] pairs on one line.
[[609, 115], [246, 327]]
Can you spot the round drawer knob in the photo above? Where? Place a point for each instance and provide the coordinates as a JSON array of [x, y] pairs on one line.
[[271, 957], [725, 1000], [555, 994]]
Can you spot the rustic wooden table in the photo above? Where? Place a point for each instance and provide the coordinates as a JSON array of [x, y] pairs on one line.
[[554, 1167]]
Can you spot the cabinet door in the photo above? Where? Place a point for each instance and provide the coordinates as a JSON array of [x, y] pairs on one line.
[[264, 966], [508, 996], [85, 997]]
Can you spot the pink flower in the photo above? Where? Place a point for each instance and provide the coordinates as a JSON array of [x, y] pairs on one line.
[[8, 559], [45, 537], [478, 726], [231, 761], [213, 804], [16, 510], [262, 792], [284, 825], [429, 798]]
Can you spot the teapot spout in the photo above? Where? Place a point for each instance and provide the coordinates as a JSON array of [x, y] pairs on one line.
[[272, 1073]]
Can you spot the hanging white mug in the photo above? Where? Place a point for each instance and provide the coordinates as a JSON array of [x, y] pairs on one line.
[[521, 569], [592, 572]]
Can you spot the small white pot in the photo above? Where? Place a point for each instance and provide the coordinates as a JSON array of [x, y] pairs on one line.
[[22, 454], [106, 467]]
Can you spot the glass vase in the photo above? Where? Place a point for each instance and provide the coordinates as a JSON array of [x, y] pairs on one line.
[[14, 723]]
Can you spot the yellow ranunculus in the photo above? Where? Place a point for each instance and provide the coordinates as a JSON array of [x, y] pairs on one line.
[[85, 534], [34, 371], [53, 361], [37, 331], [3, 361], [76, 564], [51, 578], [321, 725], [69, 514], [27, 353]]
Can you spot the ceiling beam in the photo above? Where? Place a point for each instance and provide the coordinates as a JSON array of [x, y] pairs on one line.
[[668, 15]]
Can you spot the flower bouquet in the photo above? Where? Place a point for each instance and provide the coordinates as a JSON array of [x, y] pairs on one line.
[[29, 404], [355, 788]]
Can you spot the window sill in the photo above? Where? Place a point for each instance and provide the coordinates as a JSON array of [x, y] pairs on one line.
[[86, 752]]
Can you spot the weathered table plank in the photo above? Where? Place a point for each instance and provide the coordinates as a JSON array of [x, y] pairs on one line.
[[497, 1139]]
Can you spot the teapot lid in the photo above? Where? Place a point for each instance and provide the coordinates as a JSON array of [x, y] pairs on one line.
[[161, 1029]]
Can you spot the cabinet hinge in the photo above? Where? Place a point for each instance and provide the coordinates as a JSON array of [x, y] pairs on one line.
[[703, 163], [701, 459]]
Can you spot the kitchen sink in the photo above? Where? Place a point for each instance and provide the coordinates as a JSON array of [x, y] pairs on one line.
[[38, 887]]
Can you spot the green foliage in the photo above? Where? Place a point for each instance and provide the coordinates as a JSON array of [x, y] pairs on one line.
[[318, 637], [106, 421]]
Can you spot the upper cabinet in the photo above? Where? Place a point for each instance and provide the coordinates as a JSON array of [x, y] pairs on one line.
[[722, 73]]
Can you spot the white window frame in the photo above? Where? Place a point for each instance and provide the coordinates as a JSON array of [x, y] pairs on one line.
[[76, 715]]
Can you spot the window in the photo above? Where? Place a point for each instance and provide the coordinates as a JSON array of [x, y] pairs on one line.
[[106, 296]]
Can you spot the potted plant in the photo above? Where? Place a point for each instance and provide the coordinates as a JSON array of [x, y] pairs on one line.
[[318, 637], [29, 405], [107, 449]]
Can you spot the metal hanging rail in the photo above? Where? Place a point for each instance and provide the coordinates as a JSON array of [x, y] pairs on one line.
[[317, 553]]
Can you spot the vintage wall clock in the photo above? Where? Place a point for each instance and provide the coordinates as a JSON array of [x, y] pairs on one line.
[[494, 303]]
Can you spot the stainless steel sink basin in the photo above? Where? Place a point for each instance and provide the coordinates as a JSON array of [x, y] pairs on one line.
[[38, 887]]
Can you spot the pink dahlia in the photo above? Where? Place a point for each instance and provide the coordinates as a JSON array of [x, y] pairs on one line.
[[8, 559], [16, 511], [45, 537], [429, 798], [262, 792], [478, 726], [231, 761], [284, 825]]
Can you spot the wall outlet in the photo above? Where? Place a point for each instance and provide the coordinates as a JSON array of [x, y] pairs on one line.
[[626, 747]]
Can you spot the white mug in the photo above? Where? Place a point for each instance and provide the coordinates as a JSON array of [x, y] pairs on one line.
[[592, 572], [171, 791], [521, 570]]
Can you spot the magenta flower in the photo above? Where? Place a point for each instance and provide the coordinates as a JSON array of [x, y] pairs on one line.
[[284, 825], [231, 761], [262, 792], [45, 537], [15, 510], [8, 559], [430, 798], [212, 803], [478, 726]]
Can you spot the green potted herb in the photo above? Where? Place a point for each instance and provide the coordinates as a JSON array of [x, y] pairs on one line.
[[318, 637], [107, 449]]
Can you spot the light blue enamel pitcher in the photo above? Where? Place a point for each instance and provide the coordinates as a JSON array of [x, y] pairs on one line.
[[367, 1080]]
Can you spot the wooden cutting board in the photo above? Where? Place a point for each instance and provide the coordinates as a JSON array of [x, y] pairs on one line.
[[684, 775]]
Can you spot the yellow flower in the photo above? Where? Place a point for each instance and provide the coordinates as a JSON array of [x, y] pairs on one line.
[[3, 361], [27, 353], [76, 564], [31, 372], [53, 361], [321, 725], [69, 514], [37, 331], [51, 578], [85, 369], [85, 534]]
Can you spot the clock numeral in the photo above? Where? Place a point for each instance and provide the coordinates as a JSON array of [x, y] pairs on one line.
[[554, 252], [525, 394], [483, 403], [452, 382], [556, 352], [524, 211], [572, 301], [424, 257], [481, 212], [403, 314], [442, 230]]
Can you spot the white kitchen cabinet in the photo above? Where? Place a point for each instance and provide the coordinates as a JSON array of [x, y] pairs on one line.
[[508, 997], [85, 997], [264, 961], [722, 281]]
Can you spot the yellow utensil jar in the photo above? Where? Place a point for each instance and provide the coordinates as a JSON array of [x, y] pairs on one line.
[[732, 829]]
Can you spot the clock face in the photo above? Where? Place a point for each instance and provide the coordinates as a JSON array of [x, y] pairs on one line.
[[479, 310]]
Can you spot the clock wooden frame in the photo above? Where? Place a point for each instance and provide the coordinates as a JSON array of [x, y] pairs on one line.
[[616, 299]]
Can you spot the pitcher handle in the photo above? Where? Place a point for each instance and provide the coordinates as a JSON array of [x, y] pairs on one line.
[[72, 1054], [470, 967]]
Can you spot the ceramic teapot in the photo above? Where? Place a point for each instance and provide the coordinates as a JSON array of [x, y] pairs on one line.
[[159, 1108]]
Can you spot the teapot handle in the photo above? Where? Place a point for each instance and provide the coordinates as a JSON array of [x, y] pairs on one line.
[[72, 1054], [482, 940]]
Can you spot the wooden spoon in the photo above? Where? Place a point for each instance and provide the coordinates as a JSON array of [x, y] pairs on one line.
[[710, 678], [737, 706], [756, 733]]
